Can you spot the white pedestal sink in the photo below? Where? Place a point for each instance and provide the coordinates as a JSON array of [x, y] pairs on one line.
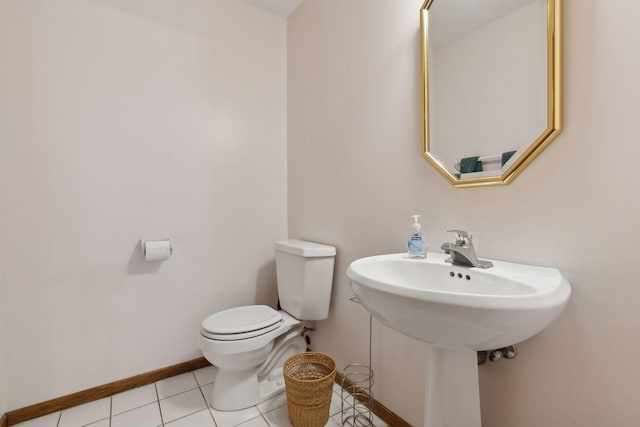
[[459, 310]]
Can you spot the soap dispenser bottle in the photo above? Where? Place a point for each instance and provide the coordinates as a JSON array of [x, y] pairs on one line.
[[416, 244]]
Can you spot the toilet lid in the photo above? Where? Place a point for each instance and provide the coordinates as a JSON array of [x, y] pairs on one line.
[[241, 322]]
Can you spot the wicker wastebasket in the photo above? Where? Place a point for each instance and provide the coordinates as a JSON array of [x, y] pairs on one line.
[[309, 381]]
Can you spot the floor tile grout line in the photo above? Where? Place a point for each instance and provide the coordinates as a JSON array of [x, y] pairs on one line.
[[206, 403], [178, 394], [137, 407], [254, 418], [155, 387], [203, 385], [195, 379], [193, 413], [264, 413], [175, 394], [264, 418]]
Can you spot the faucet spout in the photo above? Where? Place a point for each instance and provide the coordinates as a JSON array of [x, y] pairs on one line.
[[462, 251]]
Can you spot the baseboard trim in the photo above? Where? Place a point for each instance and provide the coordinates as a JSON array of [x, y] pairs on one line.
[[40, 409], [384, 413]]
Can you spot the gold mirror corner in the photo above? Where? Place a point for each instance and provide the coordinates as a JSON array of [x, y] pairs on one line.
[[503, 138]]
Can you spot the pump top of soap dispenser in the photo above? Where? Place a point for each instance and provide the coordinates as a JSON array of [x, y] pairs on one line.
[[416, 222]]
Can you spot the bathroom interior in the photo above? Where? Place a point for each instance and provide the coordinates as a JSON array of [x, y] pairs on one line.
[[229, 125]]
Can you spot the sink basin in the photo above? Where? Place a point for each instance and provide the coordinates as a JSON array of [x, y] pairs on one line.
[[459, 307]]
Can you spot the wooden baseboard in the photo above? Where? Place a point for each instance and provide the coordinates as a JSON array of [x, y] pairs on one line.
[[384, 413], [95, 393]]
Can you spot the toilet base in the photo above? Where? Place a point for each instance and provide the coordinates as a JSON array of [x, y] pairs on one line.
[[234, 390]]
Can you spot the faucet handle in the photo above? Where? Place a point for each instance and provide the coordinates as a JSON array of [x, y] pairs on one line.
[[462, 237]]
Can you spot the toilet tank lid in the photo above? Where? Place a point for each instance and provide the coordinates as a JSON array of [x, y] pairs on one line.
[[304, 248]]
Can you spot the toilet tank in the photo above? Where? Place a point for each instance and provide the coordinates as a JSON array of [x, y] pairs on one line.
[[305, 276]]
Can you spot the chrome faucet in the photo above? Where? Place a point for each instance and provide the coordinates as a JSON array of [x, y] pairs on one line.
[[462, 252]]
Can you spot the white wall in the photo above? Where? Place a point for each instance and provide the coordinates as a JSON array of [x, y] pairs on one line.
[[3, 348], [122, 121], [354, 144]]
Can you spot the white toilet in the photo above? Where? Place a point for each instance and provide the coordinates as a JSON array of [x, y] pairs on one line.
[[249, 344]]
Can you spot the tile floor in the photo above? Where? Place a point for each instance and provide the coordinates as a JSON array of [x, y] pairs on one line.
[[177, 402]]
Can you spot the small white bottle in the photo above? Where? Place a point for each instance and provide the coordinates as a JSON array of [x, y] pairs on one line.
[[416, 244]]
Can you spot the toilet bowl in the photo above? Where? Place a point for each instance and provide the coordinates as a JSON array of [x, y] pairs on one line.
[[249, 344], [250, 358]]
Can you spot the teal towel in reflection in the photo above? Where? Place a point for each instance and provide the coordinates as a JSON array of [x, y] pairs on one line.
[[507, 155], [470, 164]]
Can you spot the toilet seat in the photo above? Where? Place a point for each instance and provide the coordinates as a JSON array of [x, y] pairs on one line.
[[241, 323]]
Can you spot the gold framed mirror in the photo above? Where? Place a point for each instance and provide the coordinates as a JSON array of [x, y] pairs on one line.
[[491, 76]]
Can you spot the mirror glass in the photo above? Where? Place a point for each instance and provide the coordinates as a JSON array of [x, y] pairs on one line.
[[491, 86]]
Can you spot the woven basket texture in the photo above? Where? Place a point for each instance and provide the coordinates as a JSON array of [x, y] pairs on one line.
[[309, 381]]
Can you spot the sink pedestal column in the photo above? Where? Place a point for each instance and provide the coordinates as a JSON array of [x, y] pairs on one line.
[[452, 394]]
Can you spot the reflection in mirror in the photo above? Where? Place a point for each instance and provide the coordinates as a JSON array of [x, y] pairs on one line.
[[491, 73]]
